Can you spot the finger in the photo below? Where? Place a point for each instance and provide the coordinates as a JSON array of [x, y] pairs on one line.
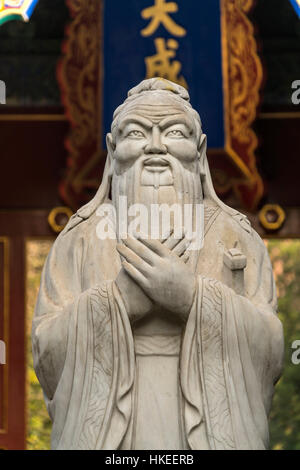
[[166, 235], [156, 246], [185, 257], [141, 250], [181, 247], [172, 241], [134, 273], [134, 259]]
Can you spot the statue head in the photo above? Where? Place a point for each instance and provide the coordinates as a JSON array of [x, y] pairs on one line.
[[155, 145], [156, 119], [156, 142]]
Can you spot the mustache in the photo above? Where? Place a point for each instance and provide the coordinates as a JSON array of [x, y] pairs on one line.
[[153, 160]]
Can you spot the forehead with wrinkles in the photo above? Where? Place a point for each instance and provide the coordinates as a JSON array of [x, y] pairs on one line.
[[156, 108], [148, 118]]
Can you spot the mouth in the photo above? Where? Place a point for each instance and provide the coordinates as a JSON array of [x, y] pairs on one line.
[[156, 163]]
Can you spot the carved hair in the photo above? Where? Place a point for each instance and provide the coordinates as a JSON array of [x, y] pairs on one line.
[[159, 84]]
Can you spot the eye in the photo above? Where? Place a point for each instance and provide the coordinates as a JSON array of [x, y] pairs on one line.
[[175, 133], [136, 134]]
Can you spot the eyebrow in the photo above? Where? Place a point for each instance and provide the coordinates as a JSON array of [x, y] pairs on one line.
[[137, 120], [179, 119]]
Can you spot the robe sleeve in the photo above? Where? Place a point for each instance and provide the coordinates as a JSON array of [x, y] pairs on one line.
[[83, 352], [59, 294], [66, 324], [233, 352], [258, 318]]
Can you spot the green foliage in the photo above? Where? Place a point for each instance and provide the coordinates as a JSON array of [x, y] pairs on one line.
[[38, 422], [285, 413]]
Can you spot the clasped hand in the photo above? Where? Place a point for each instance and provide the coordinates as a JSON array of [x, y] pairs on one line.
[[159, 269]]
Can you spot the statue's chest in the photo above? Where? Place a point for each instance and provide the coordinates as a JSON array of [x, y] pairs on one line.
[[100, 262]]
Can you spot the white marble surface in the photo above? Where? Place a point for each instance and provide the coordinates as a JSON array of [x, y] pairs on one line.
[[126, 326]]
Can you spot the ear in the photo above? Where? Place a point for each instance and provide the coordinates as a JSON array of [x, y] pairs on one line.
[[202, 148], [111, 146]]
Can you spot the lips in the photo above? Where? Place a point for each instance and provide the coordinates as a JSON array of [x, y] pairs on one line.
[[156, 162]]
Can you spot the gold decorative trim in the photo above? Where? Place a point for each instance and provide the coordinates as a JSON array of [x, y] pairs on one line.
[[242, 78], [5, 241], [57, 228], [80, 74], [276, 225]]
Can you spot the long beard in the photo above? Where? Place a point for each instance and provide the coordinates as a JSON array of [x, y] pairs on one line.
[[182, 187]]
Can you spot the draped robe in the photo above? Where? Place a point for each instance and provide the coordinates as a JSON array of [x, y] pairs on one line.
[[230, 355]]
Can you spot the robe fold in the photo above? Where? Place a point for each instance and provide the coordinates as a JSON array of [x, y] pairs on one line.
[[230, 355]]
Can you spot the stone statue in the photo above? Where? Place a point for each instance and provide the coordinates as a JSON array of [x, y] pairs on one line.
[[139, 341]]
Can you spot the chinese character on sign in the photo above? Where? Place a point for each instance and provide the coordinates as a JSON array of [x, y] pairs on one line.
[[162, 64], [160, 15], [159, 65]]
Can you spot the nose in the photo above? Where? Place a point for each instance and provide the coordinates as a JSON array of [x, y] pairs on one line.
[[155, 146]]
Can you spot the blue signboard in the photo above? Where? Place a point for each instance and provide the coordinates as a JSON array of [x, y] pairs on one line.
[[180, 41]]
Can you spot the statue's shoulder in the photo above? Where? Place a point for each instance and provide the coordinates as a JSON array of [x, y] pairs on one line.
[[79, 223], [227, 216], [231, 220], [241, 221], [77, 233]]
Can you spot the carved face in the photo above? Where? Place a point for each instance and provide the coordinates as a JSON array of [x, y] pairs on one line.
[[155, 131], [154, 146]]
